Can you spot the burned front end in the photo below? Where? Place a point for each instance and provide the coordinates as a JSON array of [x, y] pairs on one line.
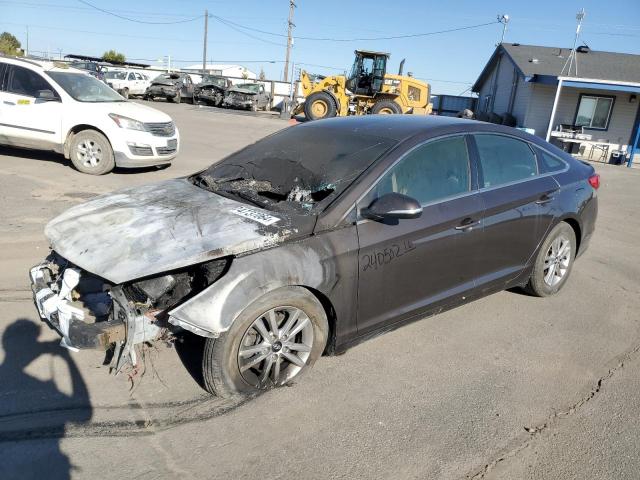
[[90, 312], [209, 93], [240, 99]]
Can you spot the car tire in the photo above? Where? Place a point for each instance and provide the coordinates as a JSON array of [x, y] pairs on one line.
[[125, 93], [553, 262], [320, 105], [91, 152], [228, 372], [176, 99], [386, 107]]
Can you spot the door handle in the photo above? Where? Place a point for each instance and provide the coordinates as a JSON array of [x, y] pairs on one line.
[[546, 197], [467, 224]]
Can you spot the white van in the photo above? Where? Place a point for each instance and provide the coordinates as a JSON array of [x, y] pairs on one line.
[[50, 106]]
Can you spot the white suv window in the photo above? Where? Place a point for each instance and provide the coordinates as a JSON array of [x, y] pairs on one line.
[[132, 76], [23, 81]]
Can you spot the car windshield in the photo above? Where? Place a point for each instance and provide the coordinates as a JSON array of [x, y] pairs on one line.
[[116, 75], [221, 82], [300, 169], [254, 87], [167, 76], [85, 88]]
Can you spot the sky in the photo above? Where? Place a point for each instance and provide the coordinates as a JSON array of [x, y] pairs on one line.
[[450, 62]]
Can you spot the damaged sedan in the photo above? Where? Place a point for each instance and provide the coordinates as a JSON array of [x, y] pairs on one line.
[[211, 90], [313, 239], [250, 96]]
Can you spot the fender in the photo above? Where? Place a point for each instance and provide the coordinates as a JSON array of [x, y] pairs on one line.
[[327, 263]]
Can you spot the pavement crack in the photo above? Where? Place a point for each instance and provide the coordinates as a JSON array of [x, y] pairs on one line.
[[522, 442]]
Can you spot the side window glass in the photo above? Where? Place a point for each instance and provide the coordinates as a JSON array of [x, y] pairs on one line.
[[132, 76], [548, 163], [436, 170], [504, 159], [25, 82], [138, 76]]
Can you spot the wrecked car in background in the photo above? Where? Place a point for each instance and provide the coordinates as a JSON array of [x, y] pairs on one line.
[[313, 239], [251, 96], [127, 82], [211, 90], [172, 86]]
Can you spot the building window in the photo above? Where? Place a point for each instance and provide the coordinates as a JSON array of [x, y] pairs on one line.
[[594, 112]]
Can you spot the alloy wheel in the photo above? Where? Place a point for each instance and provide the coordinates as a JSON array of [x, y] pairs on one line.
[[276, 347], [89, 153], [556, 261]]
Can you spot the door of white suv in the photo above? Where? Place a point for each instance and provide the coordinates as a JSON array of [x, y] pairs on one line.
[[30, 109]]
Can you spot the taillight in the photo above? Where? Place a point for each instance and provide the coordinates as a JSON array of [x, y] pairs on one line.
[[594, 181]]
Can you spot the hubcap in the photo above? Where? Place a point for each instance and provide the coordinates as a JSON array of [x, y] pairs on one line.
[[556, 262], [89, 153], [386, 111], [276, 347], [319, 108]]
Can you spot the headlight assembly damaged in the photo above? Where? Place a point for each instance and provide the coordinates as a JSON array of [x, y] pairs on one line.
[[90, 312]]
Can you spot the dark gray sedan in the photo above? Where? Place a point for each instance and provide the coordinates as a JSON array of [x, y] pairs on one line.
[[315, 238]]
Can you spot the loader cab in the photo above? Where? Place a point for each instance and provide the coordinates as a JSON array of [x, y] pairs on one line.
[[367, 73]]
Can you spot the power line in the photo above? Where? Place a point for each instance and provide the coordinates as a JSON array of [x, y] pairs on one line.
[[87, 9], [138, 21], [328, 39], [231, 26]]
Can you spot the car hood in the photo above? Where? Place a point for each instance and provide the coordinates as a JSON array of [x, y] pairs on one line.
[[142, 231], [210, 85], [244, 91], [167, 82], [134, 110]]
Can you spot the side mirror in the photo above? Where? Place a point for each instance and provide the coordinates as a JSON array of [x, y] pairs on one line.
[[394, 206], [46, 96]]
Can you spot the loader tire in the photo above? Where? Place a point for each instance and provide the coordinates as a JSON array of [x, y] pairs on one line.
[[386, 107], [320, 105]]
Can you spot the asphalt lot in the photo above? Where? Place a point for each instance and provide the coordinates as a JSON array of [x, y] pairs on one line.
[[507, 387]]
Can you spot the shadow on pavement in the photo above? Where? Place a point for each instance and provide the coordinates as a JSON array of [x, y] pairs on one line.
[[26, 401]]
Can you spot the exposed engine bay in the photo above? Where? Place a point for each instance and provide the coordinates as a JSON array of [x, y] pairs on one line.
[[91, 312]]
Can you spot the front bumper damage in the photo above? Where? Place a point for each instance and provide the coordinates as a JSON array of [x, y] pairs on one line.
[[167, 91], [239, 100], [89, 312]]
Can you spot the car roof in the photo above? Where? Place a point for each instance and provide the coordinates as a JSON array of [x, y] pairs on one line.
[[45, 65], [395, 127]]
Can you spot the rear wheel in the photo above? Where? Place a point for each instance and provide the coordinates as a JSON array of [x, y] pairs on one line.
[[125, 93], [386, 107], [554, 262], [91, 152], [273, 341], [320, 105]]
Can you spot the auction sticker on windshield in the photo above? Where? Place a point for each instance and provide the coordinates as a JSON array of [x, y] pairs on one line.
[[256, 215]]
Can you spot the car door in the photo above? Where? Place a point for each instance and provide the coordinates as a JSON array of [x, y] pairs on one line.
[[132, 83], [31, 117], [139, 82], [514, 193], [421, 264]]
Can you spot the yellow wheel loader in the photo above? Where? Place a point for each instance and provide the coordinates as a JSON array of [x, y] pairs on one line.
[[368, 89]]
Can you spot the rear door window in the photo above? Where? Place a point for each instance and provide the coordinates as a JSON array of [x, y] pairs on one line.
[[431, 172], [23, 81], [504, 159]]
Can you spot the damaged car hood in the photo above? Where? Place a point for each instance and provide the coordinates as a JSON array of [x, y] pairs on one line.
[[142, 231]]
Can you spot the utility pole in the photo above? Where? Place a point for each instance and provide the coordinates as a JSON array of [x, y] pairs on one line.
[[292, 6], [27, 41], [204, 48]]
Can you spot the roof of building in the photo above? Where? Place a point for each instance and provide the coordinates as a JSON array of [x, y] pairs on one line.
[[534, 60]]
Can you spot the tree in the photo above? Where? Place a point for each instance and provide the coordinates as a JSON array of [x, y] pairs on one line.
[[262, 75], [10, 45], [113, 56]]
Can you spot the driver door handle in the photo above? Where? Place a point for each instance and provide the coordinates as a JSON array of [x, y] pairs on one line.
[[467, 224]]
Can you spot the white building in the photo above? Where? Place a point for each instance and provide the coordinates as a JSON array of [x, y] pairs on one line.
[[225, 70]]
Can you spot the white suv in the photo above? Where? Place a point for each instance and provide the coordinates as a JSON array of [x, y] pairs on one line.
[[127, 82], [50, 106]]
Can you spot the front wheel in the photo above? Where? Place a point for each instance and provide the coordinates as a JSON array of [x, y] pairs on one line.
[[91, 152], [320, 105], [554, 262], [386, 107], [273, 341]]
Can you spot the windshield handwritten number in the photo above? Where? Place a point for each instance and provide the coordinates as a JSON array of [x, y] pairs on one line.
[[378, 258]]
